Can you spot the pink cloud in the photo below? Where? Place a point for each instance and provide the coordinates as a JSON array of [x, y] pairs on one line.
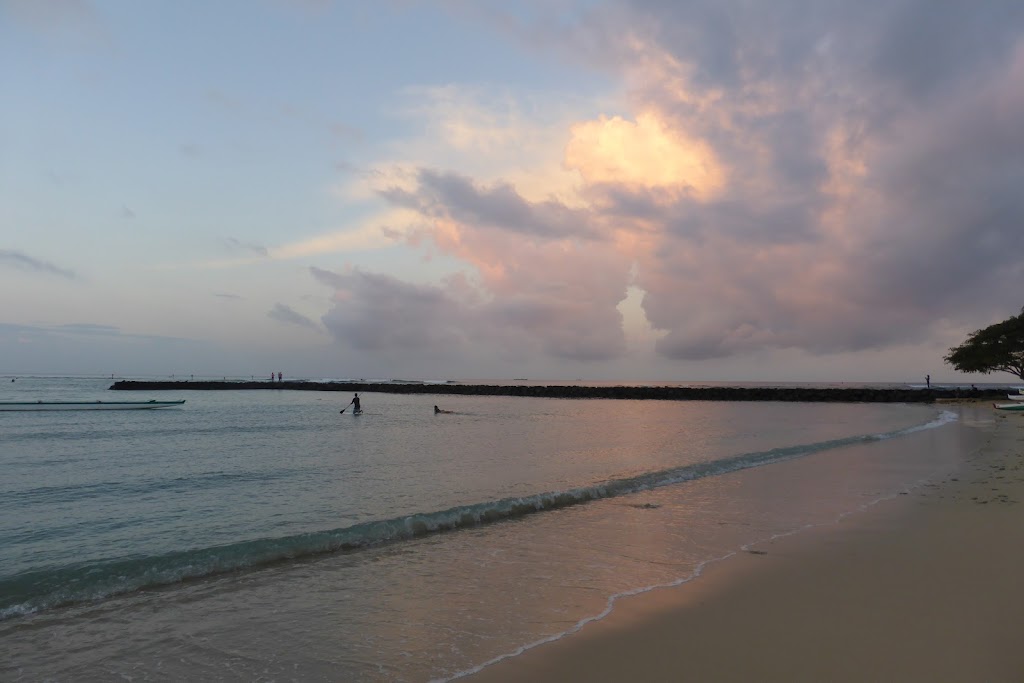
[[791, 178]]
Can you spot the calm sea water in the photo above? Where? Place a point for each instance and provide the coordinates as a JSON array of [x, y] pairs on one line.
[[262, 535]]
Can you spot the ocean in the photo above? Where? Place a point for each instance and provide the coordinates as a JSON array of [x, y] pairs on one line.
[[263, 535]]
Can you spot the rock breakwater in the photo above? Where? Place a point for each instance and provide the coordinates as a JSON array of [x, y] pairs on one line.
[[663, 393]]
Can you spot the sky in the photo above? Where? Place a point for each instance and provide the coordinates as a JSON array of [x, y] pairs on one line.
[[674, 190]]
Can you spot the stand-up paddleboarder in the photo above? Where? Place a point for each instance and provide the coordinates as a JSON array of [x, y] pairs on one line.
[[355, 406]]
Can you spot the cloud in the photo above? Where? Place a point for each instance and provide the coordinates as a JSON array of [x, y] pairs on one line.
[[926, 48], [377, 232], [90, 329], [857, 214], [285, 314], [246, 247], [82, 331], [867, 154], [379, 313], [774, 177], [22, 261], [643, 154], [493, 135], [441, 195], [367, 235]]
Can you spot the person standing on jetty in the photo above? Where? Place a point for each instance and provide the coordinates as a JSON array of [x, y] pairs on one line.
[[356, 409], [928, 381]]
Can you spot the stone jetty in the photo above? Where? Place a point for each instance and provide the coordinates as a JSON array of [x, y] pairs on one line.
[[662, 393]]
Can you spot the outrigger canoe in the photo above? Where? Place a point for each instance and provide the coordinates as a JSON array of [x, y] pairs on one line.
[[1018, 406], [87, 405]]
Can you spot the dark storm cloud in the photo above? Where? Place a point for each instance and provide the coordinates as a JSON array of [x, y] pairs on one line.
[[22, 261]]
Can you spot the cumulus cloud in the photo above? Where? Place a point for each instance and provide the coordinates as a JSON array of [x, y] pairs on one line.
[[380, 313], [22, 261], [824, 178], [863, 205], [643, 153]]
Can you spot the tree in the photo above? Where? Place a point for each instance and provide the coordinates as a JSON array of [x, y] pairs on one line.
[[997, 348]]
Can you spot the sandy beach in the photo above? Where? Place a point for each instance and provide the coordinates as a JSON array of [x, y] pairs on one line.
[[925, 587]]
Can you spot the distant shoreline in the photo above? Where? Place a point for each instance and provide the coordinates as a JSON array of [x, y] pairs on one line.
[[665, 393]]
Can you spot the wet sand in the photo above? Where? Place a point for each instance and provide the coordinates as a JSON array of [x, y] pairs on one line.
[[926, 587]]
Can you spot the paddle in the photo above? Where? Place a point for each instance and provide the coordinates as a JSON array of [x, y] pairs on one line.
[[341, 411]]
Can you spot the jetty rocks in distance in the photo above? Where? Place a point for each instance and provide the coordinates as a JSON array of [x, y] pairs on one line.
[[663, 393]]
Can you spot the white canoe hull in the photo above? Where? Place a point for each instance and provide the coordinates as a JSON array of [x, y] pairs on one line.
[[86, 405], [1015, 397], [1017, 406]]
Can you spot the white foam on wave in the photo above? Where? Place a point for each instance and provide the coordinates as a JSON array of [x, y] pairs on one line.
[[609, 606], [944, 418]]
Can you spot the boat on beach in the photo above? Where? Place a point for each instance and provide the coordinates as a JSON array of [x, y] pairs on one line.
[[1015, 397], [1018, 406], [87, 405]]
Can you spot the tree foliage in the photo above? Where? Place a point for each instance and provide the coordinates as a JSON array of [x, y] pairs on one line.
[[996, 348]]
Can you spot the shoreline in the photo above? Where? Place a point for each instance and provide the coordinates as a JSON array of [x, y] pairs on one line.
[[663, 393], [922, 587]]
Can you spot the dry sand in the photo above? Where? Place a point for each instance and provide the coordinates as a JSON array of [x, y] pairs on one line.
[[927, 587]]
